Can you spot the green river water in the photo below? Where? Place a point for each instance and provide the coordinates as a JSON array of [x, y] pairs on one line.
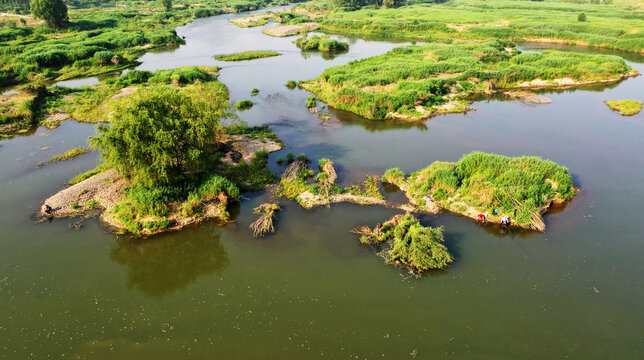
[[312, 290]]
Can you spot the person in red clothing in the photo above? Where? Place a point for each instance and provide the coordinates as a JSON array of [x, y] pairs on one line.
[[481, 218]]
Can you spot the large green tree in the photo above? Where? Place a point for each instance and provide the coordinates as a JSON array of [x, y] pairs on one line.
[[159, 134], [54, 12]]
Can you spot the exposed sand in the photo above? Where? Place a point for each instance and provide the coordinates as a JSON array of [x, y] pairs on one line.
[[288, 30]]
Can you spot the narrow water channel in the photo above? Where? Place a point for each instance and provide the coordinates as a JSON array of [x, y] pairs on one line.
[[311, 290]]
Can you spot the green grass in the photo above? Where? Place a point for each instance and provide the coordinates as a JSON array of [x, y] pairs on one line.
[[417, 81], [625, 107], [95, 103], [69, 154], [246, 55], [88, 174], [321, 43], [486, 182], [613, 26]]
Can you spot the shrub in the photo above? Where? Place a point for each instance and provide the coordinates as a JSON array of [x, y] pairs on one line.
[[291, 84], [103, 57], [244, 104], [254, 92], [311, 102], [581, 17]]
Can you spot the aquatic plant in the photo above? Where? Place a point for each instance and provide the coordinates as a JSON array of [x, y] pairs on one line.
[[291, 84], [69, 154], [254, 92]]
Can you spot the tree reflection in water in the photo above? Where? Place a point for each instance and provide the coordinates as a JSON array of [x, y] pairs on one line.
[[164, 264]]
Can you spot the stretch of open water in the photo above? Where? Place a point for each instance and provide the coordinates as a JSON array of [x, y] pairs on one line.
[[311, 290]]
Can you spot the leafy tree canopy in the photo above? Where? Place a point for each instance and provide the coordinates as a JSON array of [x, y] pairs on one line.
[[159, 134]]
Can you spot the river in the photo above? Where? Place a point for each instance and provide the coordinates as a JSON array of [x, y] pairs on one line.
[[312, 290]]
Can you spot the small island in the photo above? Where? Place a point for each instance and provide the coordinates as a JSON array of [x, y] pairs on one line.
[[625, 107], [246, 55], [522, 188]]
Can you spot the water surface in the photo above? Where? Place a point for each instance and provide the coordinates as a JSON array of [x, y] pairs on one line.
[[311, 290]]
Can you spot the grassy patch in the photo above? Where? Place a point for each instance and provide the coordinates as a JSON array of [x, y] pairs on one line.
[[246, 55], [418, 81], [244, 104], [515, 186], [613, 26], [625, 107], [321, 43], [97, 103], [69, 154], [88, 174]]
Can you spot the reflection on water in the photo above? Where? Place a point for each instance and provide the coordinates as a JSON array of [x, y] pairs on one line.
[[164, 264]]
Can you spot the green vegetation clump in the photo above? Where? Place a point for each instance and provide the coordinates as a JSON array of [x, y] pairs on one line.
[[418, 81], [254, 92], [581, 17], [244, 104], [98, 102], [69, 154], [625, 107], [252, 132], [246, 55], [311, 102], [254, 176], [411, 245], [615, 26], [88, 174], [291, 84], [321, 43], [484, 182]]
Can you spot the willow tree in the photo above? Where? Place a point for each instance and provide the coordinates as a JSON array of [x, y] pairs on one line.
[[54, 12], [159, 134]]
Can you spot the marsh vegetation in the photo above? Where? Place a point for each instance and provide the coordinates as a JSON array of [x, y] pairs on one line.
[[418, 81], [246, 55], [521, 187], [625, 107]]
